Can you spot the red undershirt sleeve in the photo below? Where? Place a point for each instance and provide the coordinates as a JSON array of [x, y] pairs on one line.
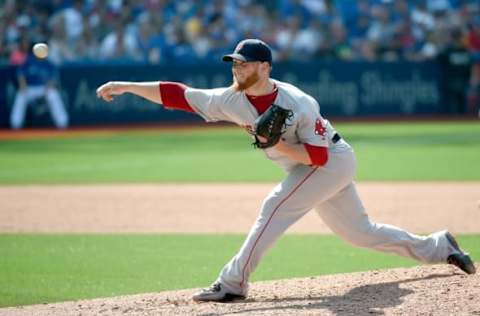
[[318, 155], [173, 96]]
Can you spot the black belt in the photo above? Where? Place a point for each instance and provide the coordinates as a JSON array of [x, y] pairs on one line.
[[336, 138]]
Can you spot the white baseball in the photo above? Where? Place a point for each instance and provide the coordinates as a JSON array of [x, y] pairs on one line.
[[40, 50]]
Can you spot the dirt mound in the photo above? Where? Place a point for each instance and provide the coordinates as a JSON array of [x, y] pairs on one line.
[[425, 290]]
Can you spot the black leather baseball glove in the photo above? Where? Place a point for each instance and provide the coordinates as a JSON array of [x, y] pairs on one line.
[[271, 125]]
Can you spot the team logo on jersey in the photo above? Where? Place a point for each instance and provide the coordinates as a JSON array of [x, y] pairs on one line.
[[319, 128]]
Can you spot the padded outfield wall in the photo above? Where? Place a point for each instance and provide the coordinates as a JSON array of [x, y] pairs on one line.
[[342, 89]]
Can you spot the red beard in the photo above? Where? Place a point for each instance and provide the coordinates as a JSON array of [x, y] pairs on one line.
[[250, 81]]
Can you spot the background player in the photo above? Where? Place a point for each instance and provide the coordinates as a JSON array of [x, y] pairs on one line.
[[320, 168], [36, 79]]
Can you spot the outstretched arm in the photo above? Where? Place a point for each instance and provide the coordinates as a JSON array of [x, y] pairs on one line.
[[148, 90]]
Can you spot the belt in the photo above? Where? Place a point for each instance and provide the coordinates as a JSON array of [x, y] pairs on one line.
[[336, 138]]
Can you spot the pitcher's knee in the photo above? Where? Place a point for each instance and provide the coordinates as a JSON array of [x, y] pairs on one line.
[[363, 235]]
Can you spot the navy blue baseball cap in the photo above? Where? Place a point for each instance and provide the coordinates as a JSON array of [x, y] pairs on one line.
[[251, 50]]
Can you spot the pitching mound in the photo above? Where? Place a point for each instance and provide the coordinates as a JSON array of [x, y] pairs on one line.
[[425, 290]]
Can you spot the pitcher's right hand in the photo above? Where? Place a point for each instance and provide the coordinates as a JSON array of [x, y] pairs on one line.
[[112, 88]]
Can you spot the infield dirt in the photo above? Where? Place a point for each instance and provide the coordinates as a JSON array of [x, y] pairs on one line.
[[420, 207]]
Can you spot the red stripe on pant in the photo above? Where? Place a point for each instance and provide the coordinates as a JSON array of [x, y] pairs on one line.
[[268, 222]]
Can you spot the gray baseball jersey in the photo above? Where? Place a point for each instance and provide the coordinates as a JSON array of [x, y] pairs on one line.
[[305, 126], [329, 189]]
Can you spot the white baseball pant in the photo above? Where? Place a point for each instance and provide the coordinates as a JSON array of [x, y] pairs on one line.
[[331, 191], [54, 101]]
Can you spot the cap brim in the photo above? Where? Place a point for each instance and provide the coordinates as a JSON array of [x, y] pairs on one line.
[[231, 57]]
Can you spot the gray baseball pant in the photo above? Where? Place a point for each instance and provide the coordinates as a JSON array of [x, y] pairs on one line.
[[329, 190]]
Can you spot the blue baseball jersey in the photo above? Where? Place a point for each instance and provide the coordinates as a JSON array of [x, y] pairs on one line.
[[37, 72]]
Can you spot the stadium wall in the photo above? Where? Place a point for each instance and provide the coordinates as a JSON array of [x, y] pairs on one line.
[[342, 89]]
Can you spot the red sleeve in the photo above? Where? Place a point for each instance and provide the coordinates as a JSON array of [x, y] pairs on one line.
[[173, 96], [318, 155]]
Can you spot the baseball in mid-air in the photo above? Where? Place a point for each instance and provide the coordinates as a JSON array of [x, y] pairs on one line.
[[40, 50]]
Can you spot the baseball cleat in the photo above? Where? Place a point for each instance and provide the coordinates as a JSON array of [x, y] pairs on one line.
[[459, 258], [216, 293]]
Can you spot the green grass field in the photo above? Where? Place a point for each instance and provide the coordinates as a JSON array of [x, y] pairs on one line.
[[393, 151], [49, 268]]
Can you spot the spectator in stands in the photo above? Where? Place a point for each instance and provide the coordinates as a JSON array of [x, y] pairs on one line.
[[87, 46], [144, 34], [362, 49], [456, 63], [381, 32], [358, 29], [369, 29], [340, 46], [10, 27], [20, 52], [473, 42], [36, 79], [297, 8], [120, 45], [100, 21], [60, 49], [429, 48], [180, 50], [438, 6], [220, 36], [404, 42], [308, 41], [157, 47], [286, 36], [74, 20], [422, 17], [198, 35], [400, 11]]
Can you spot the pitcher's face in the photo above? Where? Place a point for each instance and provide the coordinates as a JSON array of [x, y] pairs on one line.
[[245, 74]]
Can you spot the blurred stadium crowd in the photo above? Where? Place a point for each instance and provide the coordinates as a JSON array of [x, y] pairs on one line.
[[161, 31]]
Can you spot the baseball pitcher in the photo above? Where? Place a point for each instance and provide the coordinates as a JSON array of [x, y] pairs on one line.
[[286, 124]]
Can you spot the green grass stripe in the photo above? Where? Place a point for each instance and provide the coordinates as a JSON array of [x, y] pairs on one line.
[[394, 151], [54, 267]]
